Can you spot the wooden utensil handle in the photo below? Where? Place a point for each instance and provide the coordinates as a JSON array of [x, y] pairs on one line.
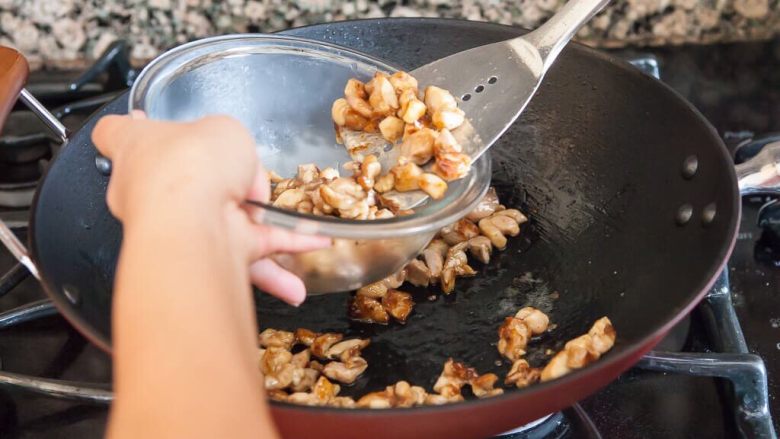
[[13, 76]]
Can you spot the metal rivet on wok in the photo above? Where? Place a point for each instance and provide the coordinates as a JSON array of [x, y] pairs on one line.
[[684, 214], [690, 166], [708, 214], [72, 294]]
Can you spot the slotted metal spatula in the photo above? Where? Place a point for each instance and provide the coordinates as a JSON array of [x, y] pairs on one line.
[[495, 82]]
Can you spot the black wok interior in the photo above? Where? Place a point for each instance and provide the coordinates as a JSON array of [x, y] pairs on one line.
[[596, 161]]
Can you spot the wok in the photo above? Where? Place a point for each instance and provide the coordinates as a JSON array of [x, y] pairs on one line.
[[634, 206]]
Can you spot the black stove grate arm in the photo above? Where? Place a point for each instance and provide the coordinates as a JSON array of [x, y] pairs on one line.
[[12, 278], [746, 372]]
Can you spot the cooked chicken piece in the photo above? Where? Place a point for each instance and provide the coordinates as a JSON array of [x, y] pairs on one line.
[[290, 198], [260, 355], [366, 309], [498, 226], [483, 386], [432, 185], [305, 206], [274, 338], [412, 109], [515, 214], [345, 117], [303, 379], [323, 342], [522, 374], [434, 256], [513, 338], [418, 147], [452, 165], [434, 399], [338, 200], [463, 230], [453, 377], [356, 96], [401, 394], [323, 392], [486, 207], [277, 394], [273, 359], [359, 211], [395, 280], [303, 398], [403, 81], [437, 99], [281, 378], [344, 402], [446, 142], [407, 177], [287, 183], [603, 334], [382, 95], [480, 247], [456, 264], [308, 173], [329, 173], [398, 304], [346, 372], [581, 351], [351, 345], [369, 171], [534, 319], [417, 273], [407, 395], [384, 183], [301, 359], [448, 118], [375, 400], [556, 367], [392, 128], [305, 336], [376, 290], [324, 389], [316, 365]]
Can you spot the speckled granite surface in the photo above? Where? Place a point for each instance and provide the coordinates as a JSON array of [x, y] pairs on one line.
[[68, 33]]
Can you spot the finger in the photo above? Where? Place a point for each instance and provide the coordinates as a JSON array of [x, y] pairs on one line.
[[137, 115], [108, 133], [275, 240], [261, 187], [278, 282]]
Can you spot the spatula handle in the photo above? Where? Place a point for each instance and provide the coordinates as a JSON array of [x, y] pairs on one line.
[[553, 35]]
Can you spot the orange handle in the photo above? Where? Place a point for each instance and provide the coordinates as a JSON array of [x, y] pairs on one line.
[[13, 76]]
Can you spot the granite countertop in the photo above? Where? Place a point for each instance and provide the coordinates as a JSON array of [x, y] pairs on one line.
[[69, 33]]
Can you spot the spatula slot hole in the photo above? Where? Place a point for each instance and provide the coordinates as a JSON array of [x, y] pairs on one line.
[[479, 88], [465, 97], [492, 80]]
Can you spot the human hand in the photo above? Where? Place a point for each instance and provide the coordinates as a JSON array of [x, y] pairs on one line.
[[198, 172]]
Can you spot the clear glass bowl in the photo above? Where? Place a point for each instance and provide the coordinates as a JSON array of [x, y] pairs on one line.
[[281, 88]]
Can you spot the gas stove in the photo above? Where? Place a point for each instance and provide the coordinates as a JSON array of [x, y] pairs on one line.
[[715, 375]]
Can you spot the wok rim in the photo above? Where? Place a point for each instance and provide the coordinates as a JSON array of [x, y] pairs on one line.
[[621, 361]]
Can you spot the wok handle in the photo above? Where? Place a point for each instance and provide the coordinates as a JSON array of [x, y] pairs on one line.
[[13, 76], [761, 174]]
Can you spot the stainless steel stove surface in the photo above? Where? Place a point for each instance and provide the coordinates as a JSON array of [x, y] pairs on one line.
[[705, 380]]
